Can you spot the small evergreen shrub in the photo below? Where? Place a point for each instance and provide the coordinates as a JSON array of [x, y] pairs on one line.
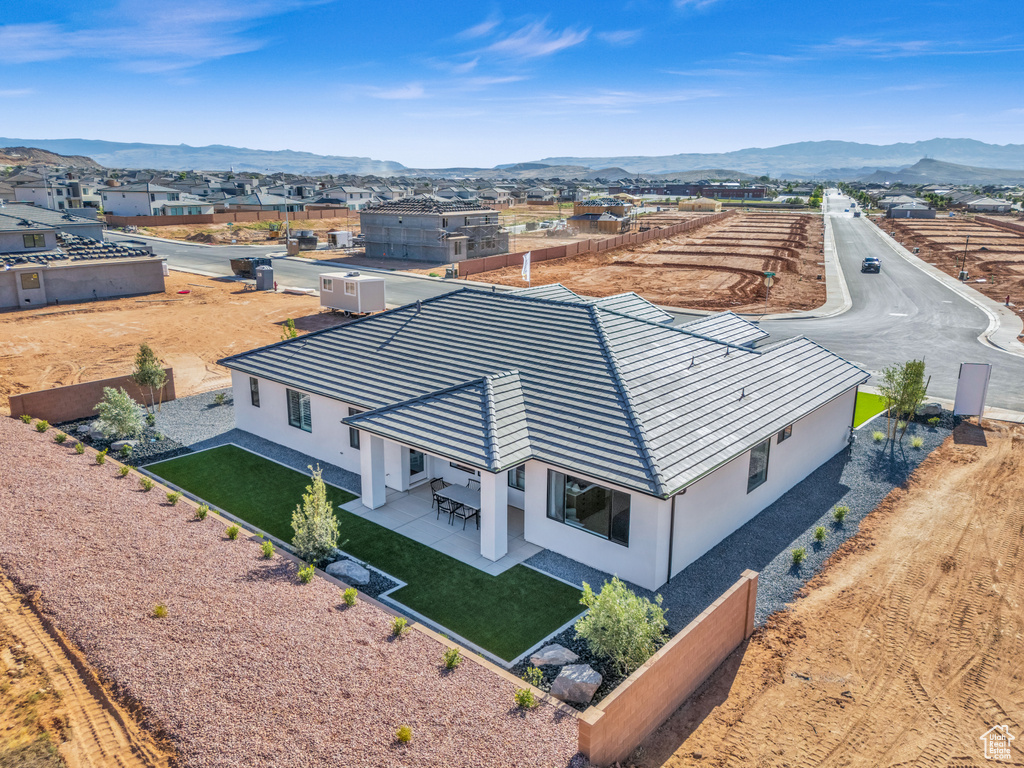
[[59, 438], [79, 448], [839, 514], [404, 734], [314, 523], [202, 511], [350, 596], [525, 699], [146, 483], [151, 419], [799, 555], [934, 421], [120, 416], [219, 398], [267, 548], [101, 457], [533, 676], [901, 425], [160, 611], [172, 497], [819, 534], [306, 574], [123, 470], [878, 436], [232, 532], [125, 451], [399, 626], [917, 442], [289, 330], [42, 425], [26, 418], [452, 658]]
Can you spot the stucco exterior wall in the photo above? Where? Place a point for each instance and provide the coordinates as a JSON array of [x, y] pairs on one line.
[[14, 242], [82, 282], [718, 504]]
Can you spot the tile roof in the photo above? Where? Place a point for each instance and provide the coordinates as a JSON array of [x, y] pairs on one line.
[[429, 205], [13, 214], [627, 303], [727, 326], [74, 248], [497, 378]]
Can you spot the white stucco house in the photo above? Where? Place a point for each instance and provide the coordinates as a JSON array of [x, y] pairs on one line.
[[148, 199], [629, 444]]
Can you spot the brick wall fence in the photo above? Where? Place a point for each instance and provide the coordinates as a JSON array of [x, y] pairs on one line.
[[78, 401], [233, 216], [581, 247], [611, 730], [1010, 226]]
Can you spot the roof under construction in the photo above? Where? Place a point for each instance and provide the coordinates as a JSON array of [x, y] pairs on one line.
[[428, 204]]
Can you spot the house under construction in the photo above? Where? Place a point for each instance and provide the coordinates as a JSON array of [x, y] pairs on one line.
[[427, 228]]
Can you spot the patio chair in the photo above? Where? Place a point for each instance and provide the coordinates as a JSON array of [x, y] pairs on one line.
[[436, 485], [473, 483], [449, 506], [464, 513]]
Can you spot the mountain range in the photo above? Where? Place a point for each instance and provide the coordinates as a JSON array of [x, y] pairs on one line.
[[929, 171]]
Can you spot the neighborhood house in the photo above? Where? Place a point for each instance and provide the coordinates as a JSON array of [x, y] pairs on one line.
[[618, 440]]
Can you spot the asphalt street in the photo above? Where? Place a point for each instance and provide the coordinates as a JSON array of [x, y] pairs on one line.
[[897, 315]]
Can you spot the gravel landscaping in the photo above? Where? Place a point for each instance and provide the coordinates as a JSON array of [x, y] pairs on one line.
[[249, 667], [153, 445]]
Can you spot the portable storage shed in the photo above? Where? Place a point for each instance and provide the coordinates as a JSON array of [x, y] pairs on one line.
[[351, 292]]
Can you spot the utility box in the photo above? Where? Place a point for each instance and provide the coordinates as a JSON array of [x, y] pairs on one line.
[[352, 293], [339, 239], [264, 278]]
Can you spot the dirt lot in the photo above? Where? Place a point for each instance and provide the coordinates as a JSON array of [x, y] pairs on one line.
[[248, 232], [904, 651], [54, 712], [994, 256], [55, 346], [719, 266]]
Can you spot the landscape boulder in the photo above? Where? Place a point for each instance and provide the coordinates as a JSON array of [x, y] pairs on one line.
[[349, 571], [95, 433], [83, 429], [553, 654], [930, 409], [576, 683], [118, 445]]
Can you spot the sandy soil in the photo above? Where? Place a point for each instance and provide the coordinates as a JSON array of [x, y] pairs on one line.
[[248, 232], [55, 346], [904, 651], [994, 255], [719, 266], [53, 709]]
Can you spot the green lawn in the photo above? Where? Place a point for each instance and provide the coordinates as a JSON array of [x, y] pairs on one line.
[[868, 406], [505, 614]]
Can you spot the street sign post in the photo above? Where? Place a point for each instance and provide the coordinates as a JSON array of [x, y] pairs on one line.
[[769, 280]]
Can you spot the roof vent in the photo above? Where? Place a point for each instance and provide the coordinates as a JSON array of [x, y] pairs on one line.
[[352, 274]]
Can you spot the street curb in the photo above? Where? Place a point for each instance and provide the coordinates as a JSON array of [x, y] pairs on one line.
[[997, 314]]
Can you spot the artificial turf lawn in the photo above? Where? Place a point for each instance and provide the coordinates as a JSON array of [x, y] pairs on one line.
[[505, 614], [868, 406]]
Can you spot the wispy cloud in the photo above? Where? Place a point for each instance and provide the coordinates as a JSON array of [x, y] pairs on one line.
[[620, 36], [890, 49], [623, 100], [535, 40], [14, 93], [402, 92], [478, 30], [697, 5]]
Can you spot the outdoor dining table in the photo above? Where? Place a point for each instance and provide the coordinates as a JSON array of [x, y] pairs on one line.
[[460, 494]]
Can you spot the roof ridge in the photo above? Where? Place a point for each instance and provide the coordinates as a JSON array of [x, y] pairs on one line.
[[419, 398], [654, 470], [490, 425], [678, 328]]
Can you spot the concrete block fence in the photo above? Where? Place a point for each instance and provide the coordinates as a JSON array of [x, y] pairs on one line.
[[77, 401]]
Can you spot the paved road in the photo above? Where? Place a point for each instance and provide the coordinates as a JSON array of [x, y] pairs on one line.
[[897, 315]]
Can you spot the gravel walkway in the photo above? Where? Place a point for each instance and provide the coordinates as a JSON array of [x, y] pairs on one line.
[[858, 477], [249, 667]]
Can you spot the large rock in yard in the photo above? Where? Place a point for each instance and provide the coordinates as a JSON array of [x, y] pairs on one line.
[[118, 445], [349, 571], [553, 655], [95, 433], [577, 683], [930, 409], [83, 429]]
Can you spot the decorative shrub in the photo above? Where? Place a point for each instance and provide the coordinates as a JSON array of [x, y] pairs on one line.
[[123, 470], [172, 497], [878, 436], [146, 483], [267, 548], [839, 514], [306, 574], [819, 534], [620, 625], [26, 418], [452, 658], [525, 699], [101, 457], [202, 511], [42, 425], [289, 331], [901, 425], [120, 416], [219, 398], [399, 626], [79, 448], [151, 419], [60, 437], [533, 676], [314, 523], [232, 532], [917, 442], [160, 611], [125, 451], [799, 555], [404, 734], [350, 596]]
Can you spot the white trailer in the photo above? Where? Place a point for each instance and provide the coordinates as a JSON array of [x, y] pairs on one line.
[[351, 293], [339, 239]]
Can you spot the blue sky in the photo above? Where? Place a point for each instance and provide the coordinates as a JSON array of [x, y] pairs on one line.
[[460, 83]]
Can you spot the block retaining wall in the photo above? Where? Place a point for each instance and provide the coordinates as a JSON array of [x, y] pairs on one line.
[[1009, 226], [611, 730], [233, 216], [78, 401]]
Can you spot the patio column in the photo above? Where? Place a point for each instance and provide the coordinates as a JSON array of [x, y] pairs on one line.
[[371, 467], [493, 515]]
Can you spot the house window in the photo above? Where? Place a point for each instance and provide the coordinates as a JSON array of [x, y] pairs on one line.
[[463, 468], [254, 391], [299, 414], [458, 248], [517, 477], [327, 284], [152, 197], [591, 507], [350, 288], [444, 223], [353, 432], [785, 434], [758, 471], [34, 241], [29, 280]]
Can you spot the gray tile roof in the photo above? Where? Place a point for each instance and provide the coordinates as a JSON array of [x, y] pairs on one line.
[[428, 204], [39, 218], [628, 303], [498, 378], [727, 326]]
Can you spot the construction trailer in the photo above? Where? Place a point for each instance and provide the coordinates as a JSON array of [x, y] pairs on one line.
[[352, 293]]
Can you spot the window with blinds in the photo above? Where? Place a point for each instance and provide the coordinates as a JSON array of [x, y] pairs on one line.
[[299, 414]]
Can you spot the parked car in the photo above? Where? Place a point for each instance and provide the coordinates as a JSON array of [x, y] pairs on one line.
[[871, 264]]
